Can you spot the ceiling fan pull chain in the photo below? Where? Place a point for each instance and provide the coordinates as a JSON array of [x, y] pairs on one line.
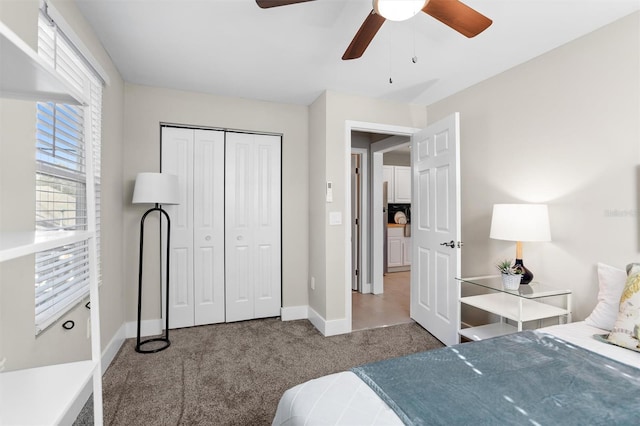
[[414, 58], [390, 59]]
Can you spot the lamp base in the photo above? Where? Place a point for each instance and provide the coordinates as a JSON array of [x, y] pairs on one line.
[[154, 350], [527, 275]]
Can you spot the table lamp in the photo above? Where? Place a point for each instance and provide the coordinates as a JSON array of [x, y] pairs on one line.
[[154, 188], [520, 222]]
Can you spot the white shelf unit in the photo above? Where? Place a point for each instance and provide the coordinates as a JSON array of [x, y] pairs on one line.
[[23, 75], [18, 244], [54, 387], [511, 305]]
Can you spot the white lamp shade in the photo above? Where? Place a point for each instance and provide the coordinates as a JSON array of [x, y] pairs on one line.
[[520, 222], [160, 188], [398, 10]]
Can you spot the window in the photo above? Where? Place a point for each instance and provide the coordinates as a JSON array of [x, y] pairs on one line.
[[67, 179]]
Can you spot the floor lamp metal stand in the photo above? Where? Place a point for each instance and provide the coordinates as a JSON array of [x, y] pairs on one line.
[[158, 189], [164, 338]]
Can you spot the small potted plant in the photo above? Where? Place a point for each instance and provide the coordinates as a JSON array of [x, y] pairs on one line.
[[511, 274]]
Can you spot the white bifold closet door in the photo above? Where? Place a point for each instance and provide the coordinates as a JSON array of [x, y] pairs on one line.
[[197, 226], [252, 226]]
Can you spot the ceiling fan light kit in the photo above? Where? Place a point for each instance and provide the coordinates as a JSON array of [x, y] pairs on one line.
[[398, 10]]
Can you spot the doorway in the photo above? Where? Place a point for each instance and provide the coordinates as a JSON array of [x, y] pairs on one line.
[[389, 303], [435, 192]]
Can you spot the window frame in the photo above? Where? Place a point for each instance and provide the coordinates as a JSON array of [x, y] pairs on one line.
[[80, 260]]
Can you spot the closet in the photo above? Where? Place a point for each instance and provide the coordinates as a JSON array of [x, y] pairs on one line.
[[226, 231]]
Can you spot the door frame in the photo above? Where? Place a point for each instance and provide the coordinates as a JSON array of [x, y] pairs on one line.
[[368, 127], [364, 278]]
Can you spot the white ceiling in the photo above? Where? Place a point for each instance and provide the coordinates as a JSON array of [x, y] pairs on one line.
[[293, 53]]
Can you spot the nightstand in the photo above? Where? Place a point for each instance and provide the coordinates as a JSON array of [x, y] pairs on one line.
[[520, 306]]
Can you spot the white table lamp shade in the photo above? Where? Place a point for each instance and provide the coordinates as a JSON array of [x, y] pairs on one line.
[[520, 222], [160, 188]]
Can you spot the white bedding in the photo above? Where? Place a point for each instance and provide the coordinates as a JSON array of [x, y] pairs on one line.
[[344, 399]]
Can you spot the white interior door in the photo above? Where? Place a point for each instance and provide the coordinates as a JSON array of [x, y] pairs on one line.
[[252, 226], [197, 233], [208, 227], [435, 221], [177, 159]]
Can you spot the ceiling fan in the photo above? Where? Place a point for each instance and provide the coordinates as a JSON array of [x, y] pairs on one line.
[[452, 13]]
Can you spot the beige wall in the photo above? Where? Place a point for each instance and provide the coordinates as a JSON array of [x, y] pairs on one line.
[[17, 200], [328, 117], [562, 129], [146, 108]]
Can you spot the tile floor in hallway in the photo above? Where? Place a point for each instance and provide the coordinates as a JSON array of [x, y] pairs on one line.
[[388, 308]]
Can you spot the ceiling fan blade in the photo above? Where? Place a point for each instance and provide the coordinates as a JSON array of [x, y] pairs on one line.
[[266, 4], [458, 16], [363, 37]]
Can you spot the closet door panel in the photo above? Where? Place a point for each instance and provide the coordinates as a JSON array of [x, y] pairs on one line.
[[208, 232], [252, 222], [177, 159], [239, 213], [268, 300]]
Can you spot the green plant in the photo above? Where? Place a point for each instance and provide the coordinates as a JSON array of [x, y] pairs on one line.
[[507, 267]]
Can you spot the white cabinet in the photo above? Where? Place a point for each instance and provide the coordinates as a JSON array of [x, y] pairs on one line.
[[402, 184], [398, 248], [56, 388], [517, 306], [399, 183], [387, 176]]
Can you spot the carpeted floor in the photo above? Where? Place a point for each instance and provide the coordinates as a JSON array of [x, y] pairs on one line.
[[234, 374]]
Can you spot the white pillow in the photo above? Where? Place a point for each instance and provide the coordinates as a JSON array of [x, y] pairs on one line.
[[611, 282]]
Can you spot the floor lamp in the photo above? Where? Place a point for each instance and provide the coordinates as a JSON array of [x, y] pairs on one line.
[[155, 188], [520, 222]]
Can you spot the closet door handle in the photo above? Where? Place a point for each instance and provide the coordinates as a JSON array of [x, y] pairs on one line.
[[207, 238], [239, 238]]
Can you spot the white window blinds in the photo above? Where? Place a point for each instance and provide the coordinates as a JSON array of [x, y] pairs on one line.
[[67, 162]]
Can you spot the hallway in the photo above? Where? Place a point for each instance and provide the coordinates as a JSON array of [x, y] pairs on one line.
[[379, 310]]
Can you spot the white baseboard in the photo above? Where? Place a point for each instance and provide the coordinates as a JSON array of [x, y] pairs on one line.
[[331, 327], [147, 328], [110, 352], [292, 313]]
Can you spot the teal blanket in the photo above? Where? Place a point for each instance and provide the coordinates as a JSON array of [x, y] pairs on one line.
[[527, 378]]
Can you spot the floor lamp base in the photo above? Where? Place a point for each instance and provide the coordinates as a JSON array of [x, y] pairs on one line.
[[165, 338], [151, 351]]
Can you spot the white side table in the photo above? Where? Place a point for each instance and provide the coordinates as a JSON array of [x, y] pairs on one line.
[[520, 306]]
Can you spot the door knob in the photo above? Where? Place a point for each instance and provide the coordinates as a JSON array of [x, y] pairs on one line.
[[207, 238], [451, 244], [239, 238]]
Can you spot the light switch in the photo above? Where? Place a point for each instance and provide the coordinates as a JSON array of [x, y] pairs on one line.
[[335, 218]]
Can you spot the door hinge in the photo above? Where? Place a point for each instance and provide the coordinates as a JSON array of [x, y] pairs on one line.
[[357, 170], [356, 272], [356, 221]]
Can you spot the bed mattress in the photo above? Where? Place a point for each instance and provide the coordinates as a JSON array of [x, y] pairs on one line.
[[344, 399]]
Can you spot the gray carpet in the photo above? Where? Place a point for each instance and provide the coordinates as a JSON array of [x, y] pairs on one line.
[[234, 374]]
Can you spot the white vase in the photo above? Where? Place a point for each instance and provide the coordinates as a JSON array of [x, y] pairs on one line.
[[511, 282]]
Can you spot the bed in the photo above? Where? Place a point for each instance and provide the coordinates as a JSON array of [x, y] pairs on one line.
[[610, 373]]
